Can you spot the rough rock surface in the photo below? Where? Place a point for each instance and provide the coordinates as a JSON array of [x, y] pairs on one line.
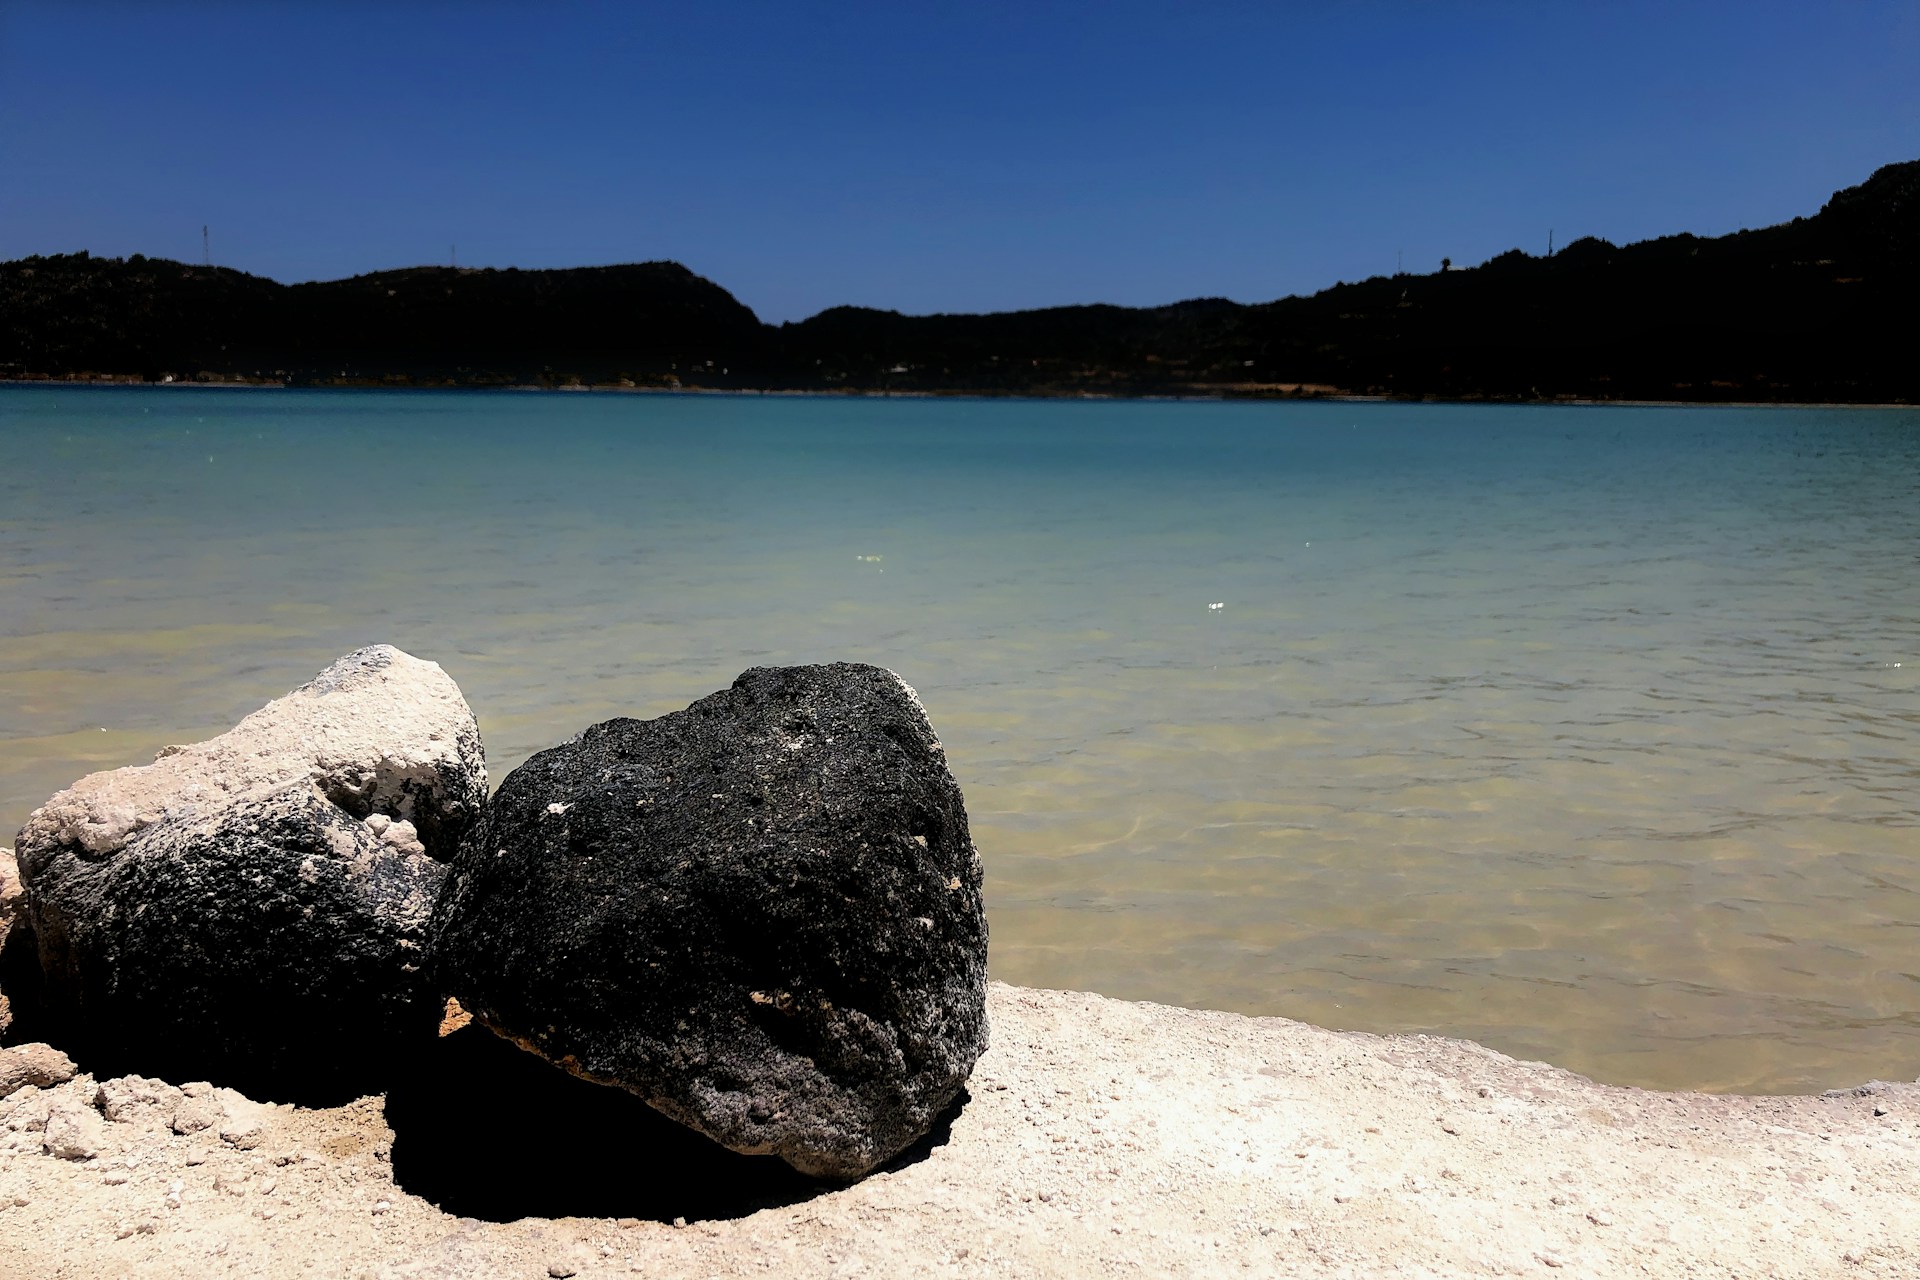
[[253, 908], [379, 731], [33, 1066], [761, 914]]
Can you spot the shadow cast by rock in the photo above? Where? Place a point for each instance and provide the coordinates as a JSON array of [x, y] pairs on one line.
[[486, 1130], [317, 1081]]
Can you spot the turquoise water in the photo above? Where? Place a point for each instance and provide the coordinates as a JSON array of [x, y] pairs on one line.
[[1586, 732]]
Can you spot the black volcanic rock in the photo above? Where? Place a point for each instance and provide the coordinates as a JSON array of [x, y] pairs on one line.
[[761, 914], [276, 949], [252, 909]]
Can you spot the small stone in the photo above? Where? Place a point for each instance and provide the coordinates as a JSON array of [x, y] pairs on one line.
[[118, 1178], [73, 1132], [679, 1222], [381, 1207], [453, 1018], [36, 1066], [560, 1270], [243, 1121], [195, 1113], [138, 1101], [122, 1229], [1599, 1217], [403, 837], [1550, 1259]]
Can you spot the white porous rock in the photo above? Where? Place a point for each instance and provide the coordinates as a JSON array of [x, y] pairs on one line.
[[242, 1119], [379, 731], [199, 1108], [138, 1101], [253, 908], [13, 894], [13, 905], [35, 1066], [74, 1130]]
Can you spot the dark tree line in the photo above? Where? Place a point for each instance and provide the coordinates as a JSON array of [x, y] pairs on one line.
[[1822, 308]]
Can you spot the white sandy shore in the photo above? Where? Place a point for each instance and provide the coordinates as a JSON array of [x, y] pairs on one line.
[[1101, 1138]]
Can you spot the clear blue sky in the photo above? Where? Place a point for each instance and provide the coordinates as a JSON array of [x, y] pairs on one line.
[[958, 156]]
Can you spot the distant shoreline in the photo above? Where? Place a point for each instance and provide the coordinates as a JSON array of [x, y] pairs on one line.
[[1331, 397], [1816, 311]]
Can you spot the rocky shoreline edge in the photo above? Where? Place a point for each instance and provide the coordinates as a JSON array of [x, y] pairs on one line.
[[1098, 1137]]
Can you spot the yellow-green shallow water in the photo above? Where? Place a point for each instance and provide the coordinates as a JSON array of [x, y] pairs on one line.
[[1587, 733]]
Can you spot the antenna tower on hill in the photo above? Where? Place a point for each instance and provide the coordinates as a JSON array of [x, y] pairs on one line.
[[206, 249]]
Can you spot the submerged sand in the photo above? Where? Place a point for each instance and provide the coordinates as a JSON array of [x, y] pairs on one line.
[[1100, 1138]]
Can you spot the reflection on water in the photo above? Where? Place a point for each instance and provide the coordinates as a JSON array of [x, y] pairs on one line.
[[1589, 733]]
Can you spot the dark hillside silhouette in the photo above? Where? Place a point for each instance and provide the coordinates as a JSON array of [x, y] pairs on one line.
[[1819, 309], [75, 314]]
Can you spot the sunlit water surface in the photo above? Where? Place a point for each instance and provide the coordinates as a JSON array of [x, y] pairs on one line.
[[1582, 732]]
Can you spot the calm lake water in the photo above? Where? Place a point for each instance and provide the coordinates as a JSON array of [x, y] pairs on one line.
[[1589, 733]]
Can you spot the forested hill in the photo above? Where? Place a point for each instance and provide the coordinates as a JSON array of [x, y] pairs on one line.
[[1819, 309], [152, 318]]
